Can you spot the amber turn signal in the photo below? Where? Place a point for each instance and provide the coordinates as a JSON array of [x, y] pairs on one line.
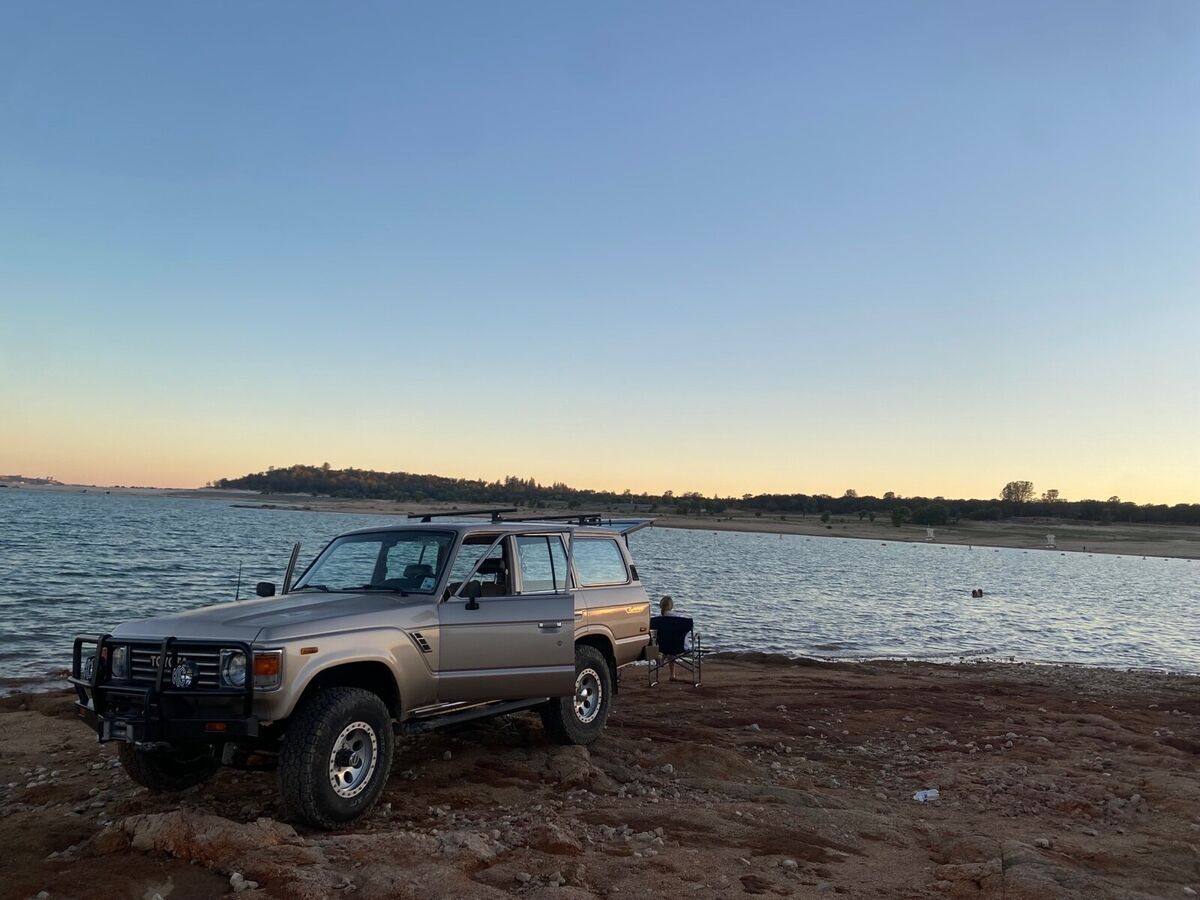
[[266, 665]]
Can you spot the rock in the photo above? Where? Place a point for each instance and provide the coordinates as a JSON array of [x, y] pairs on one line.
[[1190, 892], [447, 756], [477, 845], [668, 769], [523, 877], [213, 839], [239, 883], [789, 864], [1043, 843], [571, 767], [753, 727], [110, 840], [550, 837]]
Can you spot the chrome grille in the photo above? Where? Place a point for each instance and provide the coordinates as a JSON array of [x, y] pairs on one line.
[[143, 664]]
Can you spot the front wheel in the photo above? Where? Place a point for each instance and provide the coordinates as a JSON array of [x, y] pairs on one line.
[[335, 757], [168, 770], [580, 718]]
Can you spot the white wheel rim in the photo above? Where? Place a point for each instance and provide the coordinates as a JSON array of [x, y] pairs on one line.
[[352, 760], [589, 693]]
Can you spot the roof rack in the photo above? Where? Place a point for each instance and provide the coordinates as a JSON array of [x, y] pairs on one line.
[[495, 513], [577, 518], [624, 526]]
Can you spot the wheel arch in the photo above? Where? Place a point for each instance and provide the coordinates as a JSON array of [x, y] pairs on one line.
[[370, 675], [604, 644]]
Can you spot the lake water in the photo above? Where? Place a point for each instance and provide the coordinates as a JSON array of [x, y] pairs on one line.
[[72, 562]]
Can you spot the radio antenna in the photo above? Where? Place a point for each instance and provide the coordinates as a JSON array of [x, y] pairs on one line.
[[238, 590]]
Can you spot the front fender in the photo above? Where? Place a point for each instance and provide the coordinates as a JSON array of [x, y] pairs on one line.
[[392, 649]]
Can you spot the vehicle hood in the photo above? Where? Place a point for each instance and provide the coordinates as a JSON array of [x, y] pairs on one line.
[[267, 617]]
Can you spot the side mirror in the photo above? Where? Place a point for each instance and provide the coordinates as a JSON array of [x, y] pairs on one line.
[[265, 589], [472, 590]]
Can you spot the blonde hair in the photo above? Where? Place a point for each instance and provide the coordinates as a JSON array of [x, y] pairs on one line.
[[666, 604]]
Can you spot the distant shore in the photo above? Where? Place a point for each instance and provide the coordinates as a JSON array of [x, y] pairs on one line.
[[1174, 541]]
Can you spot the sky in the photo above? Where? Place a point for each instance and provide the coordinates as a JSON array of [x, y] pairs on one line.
[[924, 247]]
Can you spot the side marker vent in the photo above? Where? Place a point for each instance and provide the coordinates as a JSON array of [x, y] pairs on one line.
[[421, 642]]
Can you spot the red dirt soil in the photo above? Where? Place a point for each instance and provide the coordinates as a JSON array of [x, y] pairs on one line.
[[775, 778]]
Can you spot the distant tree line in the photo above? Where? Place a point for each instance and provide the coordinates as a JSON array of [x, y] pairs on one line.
[[1017, 499]]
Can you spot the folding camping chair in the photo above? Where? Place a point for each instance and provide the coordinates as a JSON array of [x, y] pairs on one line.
[[671, 638]]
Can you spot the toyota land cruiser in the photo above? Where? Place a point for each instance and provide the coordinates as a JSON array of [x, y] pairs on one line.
[[390, 630]]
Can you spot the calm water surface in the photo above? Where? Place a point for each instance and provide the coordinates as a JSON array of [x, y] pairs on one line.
[[74, 562]]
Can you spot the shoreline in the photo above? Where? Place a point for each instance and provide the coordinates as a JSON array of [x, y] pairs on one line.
[[1165, 541], [55, 683], [1161, 541], [776, 777]]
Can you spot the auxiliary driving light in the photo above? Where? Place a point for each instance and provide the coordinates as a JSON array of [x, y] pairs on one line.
[[184, 675]]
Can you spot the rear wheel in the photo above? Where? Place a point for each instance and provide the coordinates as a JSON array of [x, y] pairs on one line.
[[580, 718], [335, 757], [169, 770]]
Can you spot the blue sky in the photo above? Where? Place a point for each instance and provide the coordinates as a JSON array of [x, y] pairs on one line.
[[923, 247]]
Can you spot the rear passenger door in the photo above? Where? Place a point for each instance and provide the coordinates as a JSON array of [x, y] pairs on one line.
[[517, 641], [615, 601]]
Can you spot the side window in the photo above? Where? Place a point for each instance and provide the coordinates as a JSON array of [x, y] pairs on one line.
[[543, 563], [493, 571], [599, 562]]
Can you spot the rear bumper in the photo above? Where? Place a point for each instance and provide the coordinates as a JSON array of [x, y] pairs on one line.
[[154, 713]]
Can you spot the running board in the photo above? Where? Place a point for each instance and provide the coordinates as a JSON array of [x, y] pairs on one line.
[[431, 723]]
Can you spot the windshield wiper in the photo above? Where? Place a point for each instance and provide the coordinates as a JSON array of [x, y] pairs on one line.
[[313, 587]]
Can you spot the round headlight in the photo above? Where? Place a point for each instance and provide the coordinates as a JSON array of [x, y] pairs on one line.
[[233, 668], [120, 662], [184, 674], [89, 667]]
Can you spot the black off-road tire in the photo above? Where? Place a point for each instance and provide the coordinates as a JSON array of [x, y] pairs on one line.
[[307, 756], [167, 771], [571, 720]]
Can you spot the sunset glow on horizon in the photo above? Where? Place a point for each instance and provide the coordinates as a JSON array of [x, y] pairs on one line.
[[922, 248]]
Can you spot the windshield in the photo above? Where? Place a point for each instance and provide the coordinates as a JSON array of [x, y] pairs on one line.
[[401, 561]]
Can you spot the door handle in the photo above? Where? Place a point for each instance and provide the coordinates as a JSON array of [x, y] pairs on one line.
[[549, 626], [579, 615]]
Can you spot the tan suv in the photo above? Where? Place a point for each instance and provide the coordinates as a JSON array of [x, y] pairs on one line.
[[395, 629]]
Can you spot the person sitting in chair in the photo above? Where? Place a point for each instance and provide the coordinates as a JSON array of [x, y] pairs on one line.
[[666, 607]]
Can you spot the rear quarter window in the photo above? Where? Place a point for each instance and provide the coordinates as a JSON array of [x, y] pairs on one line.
[[599, 562]]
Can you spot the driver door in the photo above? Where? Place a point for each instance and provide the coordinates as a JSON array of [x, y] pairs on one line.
[[516, 640]]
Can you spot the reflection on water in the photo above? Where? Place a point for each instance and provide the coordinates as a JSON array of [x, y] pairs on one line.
[[74, 562]]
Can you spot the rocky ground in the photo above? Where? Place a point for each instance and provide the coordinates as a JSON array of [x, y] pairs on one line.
[[775, 778]]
